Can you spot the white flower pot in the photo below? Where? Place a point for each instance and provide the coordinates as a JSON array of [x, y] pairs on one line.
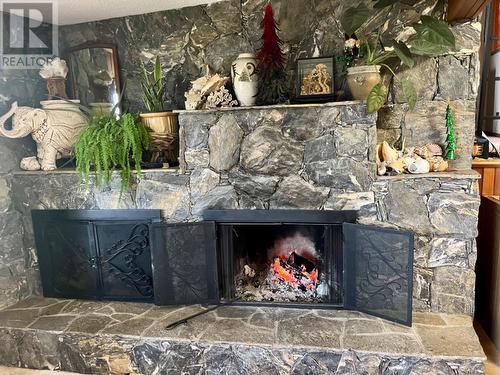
[[245, 79]]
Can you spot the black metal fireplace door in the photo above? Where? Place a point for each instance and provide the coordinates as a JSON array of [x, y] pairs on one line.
[[377, 267], [95, 254]]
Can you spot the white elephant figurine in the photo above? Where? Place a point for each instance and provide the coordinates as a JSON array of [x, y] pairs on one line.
[[54, 129]]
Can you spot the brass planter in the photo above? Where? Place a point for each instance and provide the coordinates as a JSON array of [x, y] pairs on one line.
[[164, 128], [362, 79]]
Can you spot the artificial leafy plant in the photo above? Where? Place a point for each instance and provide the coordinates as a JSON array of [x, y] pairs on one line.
[[154, 88], [451, 138], [272, 85], [432, 37]]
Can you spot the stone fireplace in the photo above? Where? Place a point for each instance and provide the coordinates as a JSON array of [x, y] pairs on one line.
[[316, 165]]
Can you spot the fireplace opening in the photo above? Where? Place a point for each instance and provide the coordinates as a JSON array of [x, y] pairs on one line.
[[283, 263], [280, 263]]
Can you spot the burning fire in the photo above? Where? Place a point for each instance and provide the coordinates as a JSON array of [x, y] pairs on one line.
[[298, 244], [294, 274]]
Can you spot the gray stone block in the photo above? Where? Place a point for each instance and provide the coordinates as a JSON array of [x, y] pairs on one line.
[[221, 197], [341, 174], [320, 149], [392, 116], [454, 213], [351, 142], [424, 77], [267, 151], [294, 192], [453, 77], [224, 142], [259, 186], [302, 124]]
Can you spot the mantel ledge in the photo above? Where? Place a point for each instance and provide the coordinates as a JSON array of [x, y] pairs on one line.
[[73, 171], [272, 107], [457, 174]]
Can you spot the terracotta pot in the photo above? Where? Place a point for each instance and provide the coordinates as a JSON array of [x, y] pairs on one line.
[[362, 79], [164, 135], [245, 80]]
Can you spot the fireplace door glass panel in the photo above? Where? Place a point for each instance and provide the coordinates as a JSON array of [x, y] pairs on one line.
[[378, 271], [125, 260], [185, 263], [67, 258]]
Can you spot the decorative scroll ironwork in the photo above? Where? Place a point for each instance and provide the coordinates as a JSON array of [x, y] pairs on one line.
[[377, 286], [379, 271], [120, 261]]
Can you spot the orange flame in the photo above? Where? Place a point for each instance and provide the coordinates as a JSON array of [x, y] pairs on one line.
[[287, 276]]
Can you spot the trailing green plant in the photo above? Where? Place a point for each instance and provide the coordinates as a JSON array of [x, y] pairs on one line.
[[109, 143], [153, 87], [432, 37]]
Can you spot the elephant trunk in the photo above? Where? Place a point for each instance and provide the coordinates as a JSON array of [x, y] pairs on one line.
[[16, 131]]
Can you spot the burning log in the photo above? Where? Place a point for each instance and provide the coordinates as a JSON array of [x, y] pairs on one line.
[[301, 263]]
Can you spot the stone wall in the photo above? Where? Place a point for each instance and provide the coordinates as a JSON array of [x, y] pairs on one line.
[[190, 39], [16, 278], [313, 157], [27, 88]]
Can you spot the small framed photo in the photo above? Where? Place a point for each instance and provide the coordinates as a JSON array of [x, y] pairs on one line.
[[315, 80]]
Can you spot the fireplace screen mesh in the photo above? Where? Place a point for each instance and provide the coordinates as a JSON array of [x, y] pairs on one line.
[[185, 263], [378, 271]]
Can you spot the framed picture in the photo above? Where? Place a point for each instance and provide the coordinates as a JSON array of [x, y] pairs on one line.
[[315, 80]]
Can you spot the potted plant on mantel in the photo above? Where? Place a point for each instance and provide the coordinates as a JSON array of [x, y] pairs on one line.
[[108, 143], [163, 124], [432, 37]]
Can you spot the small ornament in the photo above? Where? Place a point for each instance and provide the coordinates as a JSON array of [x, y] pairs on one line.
[[209, 92], [451, 139], [55, 72]]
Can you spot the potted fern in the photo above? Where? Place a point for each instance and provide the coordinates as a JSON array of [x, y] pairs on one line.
[[109, 143], [432, 37], [163, 124]]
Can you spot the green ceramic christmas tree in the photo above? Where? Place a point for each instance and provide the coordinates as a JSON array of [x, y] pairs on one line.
[[451, 139]]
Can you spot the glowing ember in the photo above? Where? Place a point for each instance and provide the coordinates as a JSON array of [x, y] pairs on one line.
[[293, 274]]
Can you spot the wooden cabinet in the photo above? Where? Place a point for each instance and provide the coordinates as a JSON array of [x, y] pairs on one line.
[[490, 175]]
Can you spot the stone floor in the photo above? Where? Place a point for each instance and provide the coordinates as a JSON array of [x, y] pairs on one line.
[[433, 336]]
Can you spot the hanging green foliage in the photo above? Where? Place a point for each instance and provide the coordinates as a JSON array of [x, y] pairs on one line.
[[109, 143], [451, 138]]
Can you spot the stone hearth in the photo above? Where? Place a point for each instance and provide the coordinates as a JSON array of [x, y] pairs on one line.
[[100, 337]]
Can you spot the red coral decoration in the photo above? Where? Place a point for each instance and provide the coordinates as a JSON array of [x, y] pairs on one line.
[[272, 75]]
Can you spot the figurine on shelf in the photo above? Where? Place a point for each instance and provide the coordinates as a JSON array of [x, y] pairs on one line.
[[209, 92], [55, 72]]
